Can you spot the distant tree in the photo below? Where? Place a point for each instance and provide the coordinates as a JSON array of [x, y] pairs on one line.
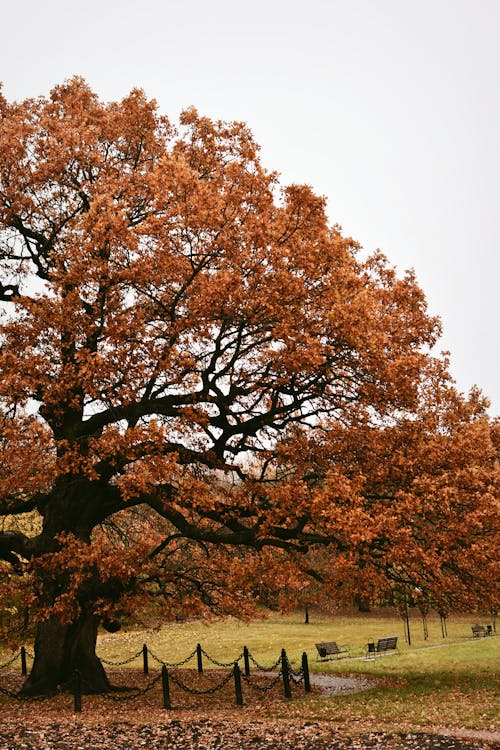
[[171, 316]]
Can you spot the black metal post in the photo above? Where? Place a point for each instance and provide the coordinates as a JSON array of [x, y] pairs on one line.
[[23, 661], [165, 687], [246, 660], [305, 670], [286, 674], [145, 659], [237, 684], [200, 658], [406, 618], [77, 691], [407, 626]]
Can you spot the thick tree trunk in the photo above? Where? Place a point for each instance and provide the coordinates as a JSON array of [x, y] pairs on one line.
[[62, 649]]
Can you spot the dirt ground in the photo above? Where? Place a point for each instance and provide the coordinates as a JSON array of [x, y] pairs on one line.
[[203, 722]]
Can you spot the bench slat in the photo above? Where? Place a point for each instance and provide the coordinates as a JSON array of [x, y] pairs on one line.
[[330, 648], [387, 644], [479, 631], [383, 644]]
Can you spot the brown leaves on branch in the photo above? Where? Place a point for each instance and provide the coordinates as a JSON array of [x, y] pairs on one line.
[[193, 337]]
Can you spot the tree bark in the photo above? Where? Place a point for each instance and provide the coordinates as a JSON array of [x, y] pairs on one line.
[[62, 649]]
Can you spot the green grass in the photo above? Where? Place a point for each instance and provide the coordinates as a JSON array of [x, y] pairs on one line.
[[449, 682], [265, 638], [440, 682]]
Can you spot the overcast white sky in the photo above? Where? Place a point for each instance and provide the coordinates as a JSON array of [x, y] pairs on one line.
[[390, 108]]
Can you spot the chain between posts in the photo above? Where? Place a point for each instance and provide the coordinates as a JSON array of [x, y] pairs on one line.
[[194, 691], [296, 676], [173, 664], [245, 654], [23, 698], [79, 682], [121, 663], [263, 688], [261, 668], [11, 661], [286, 672], [4, 691], [136, 694], [222, 663], [23, 653]]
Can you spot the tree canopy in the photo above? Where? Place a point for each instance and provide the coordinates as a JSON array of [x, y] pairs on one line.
[[183, 336]]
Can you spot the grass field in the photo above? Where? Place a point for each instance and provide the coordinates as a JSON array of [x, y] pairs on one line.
[[450, 682]]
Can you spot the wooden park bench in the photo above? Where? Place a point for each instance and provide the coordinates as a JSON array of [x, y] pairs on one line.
[[382, 646], [479, 631], [329, 650]]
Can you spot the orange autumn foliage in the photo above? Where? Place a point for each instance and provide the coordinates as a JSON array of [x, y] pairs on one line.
[[182, 334]]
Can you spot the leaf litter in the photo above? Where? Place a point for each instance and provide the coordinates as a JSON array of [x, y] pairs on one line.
[[196, 722]]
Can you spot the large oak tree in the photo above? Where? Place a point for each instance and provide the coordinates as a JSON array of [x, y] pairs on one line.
[[171, 313]]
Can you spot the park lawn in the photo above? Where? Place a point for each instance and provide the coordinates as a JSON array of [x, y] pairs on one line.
[[266, 636], [450, 687], [450, 681]]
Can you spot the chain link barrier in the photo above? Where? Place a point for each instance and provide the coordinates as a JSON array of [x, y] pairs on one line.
[[134, 695], [261, 668], [262, 688], [23, 698], [194, 691], [222, 663], [172, 664], [121, 663], [17, 696], [109, 696], [182, 662], [297, 676], [4, 691], [11, 661]]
